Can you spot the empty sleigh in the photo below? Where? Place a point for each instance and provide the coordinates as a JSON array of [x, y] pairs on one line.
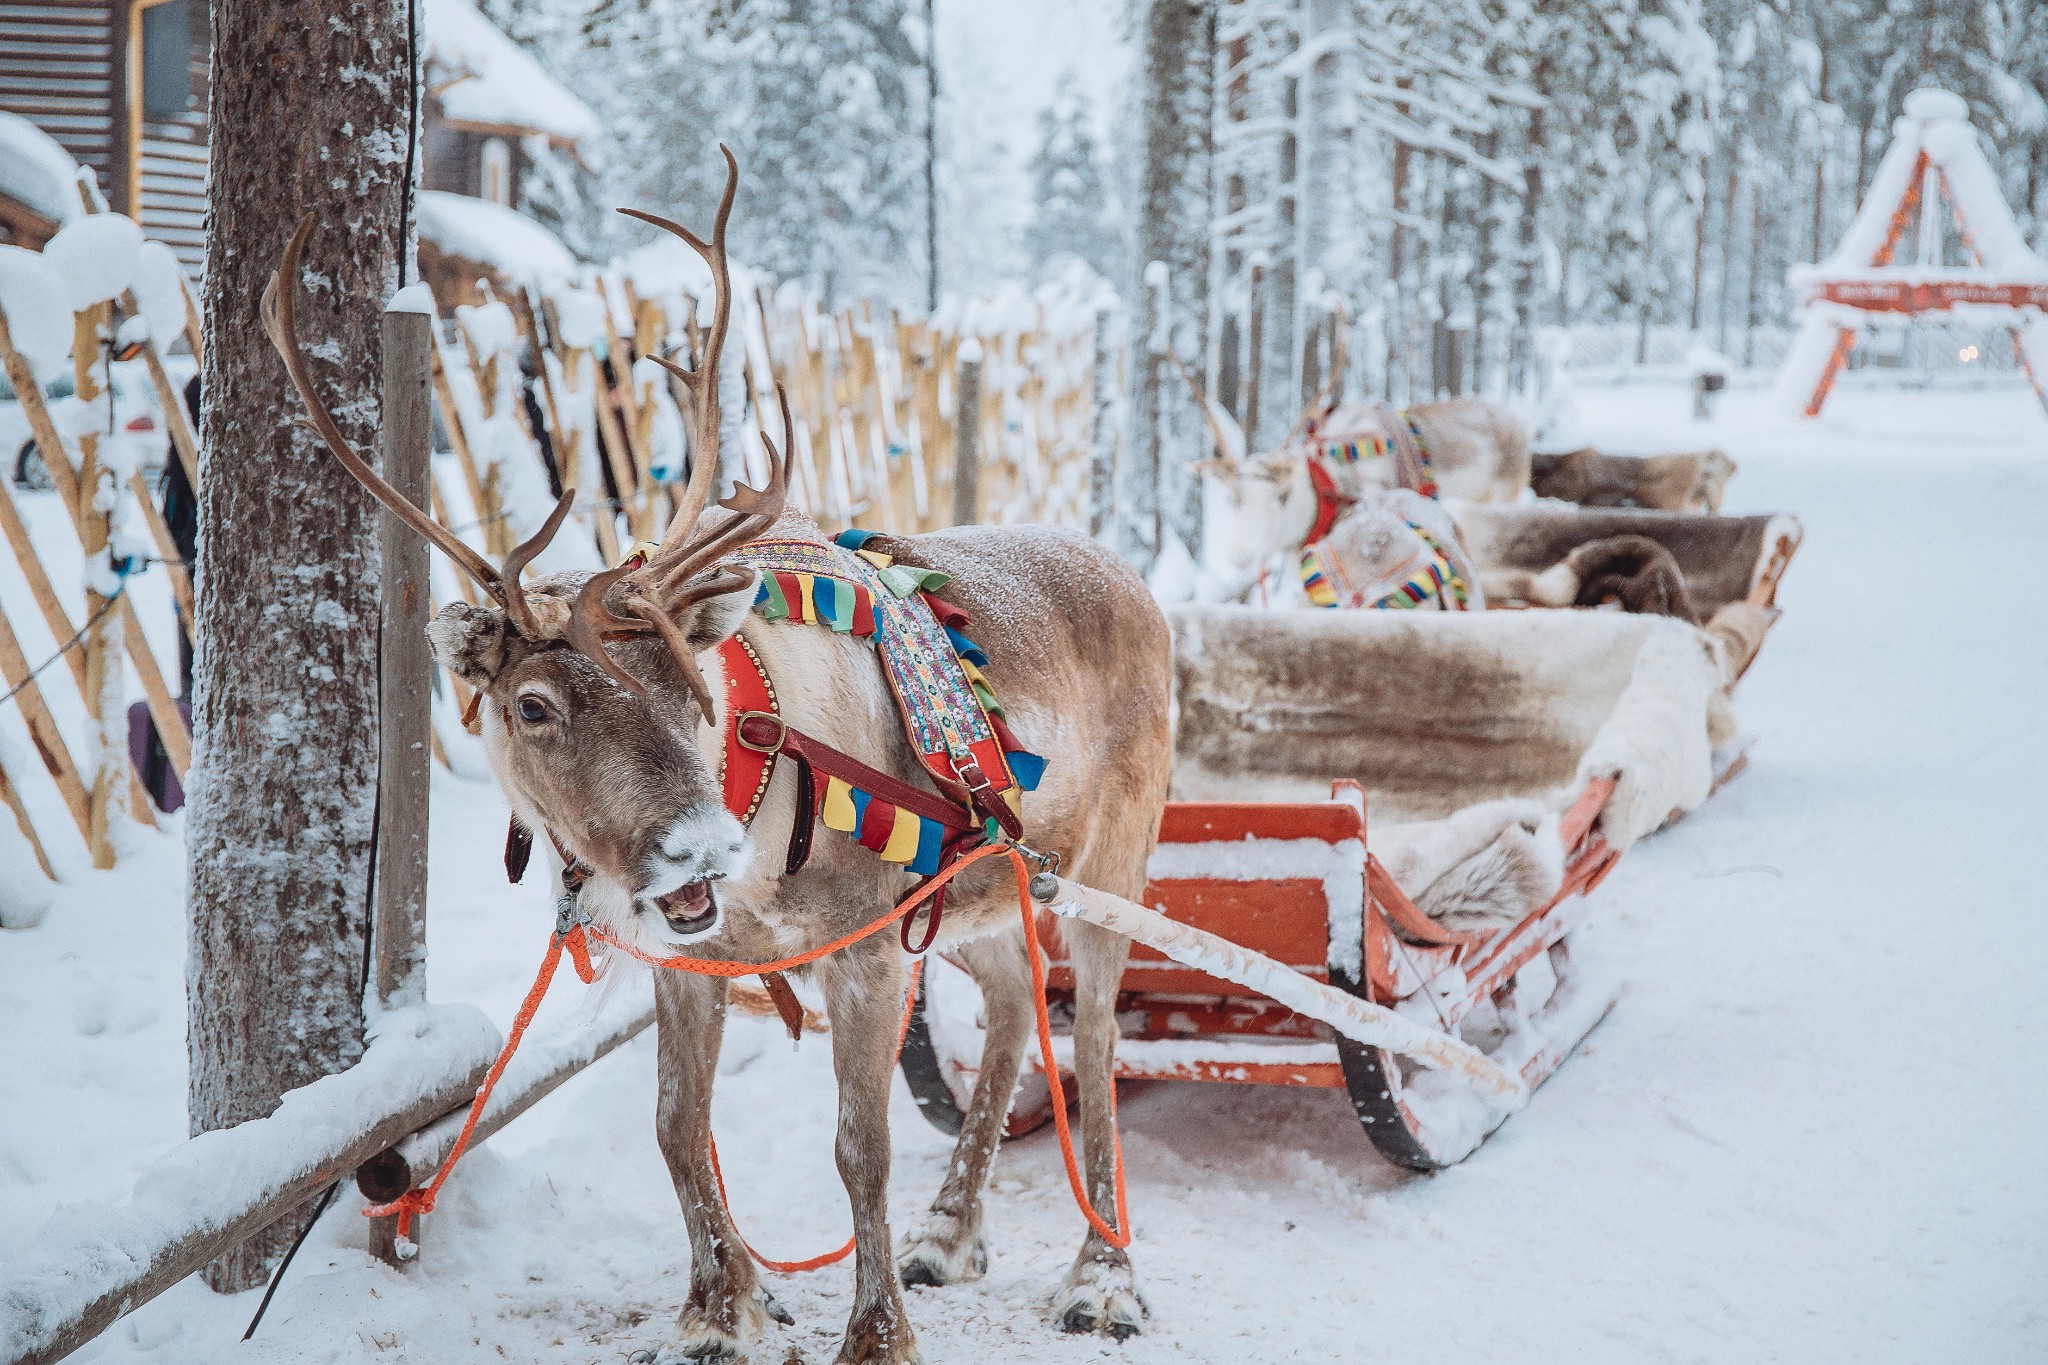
[[1384, 831]]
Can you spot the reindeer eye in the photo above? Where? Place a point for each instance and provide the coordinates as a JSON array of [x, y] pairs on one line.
[[532, 709]]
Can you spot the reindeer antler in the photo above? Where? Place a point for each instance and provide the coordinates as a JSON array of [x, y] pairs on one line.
[[702, 381], [280, 321]]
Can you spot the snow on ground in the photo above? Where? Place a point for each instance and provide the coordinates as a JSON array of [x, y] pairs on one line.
[[1808, 1132]]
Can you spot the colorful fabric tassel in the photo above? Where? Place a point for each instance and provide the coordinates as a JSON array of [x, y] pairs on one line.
[[818, 599], [900, 836]]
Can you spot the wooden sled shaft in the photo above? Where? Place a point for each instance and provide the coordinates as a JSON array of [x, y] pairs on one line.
[[1360, 1020]]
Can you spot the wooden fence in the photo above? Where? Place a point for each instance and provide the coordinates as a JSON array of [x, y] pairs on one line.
[[100, 639]]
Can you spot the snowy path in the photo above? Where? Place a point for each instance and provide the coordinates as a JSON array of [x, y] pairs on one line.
[[1810, 1131]]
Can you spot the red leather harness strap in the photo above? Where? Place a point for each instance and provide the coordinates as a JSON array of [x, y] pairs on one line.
[[755, 733], [1330, 504]]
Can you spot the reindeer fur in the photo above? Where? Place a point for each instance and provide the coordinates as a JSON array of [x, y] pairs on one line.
[[1633, 571], [1081, 658], [1721, 558], [1692, 482], [1435, 712], [1478, 450]]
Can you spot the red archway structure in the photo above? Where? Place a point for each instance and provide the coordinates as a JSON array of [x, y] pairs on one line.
[[1934, 160]]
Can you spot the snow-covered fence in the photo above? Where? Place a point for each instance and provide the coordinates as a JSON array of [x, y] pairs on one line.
[[98, 1261], [58, 323]]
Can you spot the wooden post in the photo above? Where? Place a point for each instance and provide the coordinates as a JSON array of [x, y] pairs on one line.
[[967, 437], [404, 695], [405, 677], [102, 659]]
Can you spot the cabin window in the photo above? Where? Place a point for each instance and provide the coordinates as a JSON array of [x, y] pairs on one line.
[[166, 59], [497, 171]]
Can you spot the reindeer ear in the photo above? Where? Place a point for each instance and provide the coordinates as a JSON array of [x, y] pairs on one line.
[[469, 641], [712, 619]]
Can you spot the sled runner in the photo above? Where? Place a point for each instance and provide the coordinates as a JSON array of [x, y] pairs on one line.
[[1338, 816]]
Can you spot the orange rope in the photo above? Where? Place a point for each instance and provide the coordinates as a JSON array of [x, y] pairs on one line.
[[421, 1200], [830, 1257], [1111, 1235]]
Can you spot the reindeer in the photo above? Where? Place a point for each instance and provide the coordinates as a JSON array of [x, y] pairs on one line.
[[1259, 507], [602, 715]]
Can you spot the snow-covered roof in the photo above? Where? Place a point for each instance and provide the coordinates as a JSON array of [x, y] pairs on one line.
[[508, 242], [1936, 123], [36, 172], [500, 84]]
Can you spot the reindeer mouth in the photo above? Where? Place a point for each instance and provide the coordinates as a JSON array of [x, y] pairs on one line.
[[689, 909]]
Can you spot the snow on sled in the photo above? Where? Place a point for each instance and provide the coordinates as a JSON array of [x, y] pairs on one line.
[[1401, 809]]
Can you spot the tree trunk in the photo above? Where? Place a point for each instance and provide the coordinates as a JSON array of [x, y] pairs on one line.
[[1728, 247], [1325, 235], [1522, 349], [286, 680], [1482, 271], [1159, 490]]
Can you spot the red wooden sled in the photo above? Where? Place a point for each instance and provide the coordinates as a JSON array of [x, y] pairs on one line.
[[1297, 883]]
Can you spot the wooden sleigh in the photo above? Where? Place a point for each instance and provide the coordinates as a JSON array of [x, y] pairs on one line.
[[1293, 887]]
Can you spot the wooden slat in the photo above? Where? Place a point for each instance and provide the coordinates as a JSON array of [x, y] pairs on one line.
[[42, 730]]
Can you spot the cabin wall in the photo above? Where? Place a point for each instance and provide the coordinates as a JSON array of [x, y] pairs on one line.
[[82, 72], [171, 175], [58, 70]]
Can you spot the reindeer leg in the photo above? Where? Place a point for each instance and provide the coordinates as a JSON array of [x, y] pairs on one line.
[[948, 1247], [1101, 1292], [727, 1306], [864, 996]]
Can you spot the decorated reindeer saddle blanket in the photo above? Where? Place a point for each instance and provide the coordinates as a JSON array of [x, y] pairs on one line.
[[950, 715], [1394, 550], [1371, 446]]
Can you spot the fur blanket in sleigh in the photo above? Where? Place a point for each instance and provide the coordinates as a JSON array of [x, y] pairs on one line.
[[1471, 733]]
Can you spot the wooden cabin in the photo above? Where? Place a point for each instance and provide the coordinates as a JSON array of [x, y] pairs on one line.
[[121, 85]]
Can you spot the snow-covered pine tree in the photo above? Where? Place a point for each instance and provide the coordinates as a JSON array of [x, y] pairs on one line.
[[820, 101], [1074, 212], [284, 715]]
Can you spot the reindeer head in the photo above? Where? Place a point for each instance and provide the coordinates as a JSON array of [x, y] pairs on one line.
[[594, 708]]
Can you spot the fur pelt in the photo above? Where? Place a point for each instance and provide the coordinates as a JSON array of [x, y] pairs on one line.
[[1721, 558], [1482, 867], [1436, 712], [1634, 572], [1691, 482]]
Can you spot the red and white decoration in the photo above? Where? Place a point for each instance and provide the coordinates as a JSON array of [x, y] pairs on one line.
[[1934, 158]]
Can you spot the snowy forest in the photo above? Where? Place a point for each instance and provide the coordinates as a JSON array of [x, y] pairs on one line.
[[1458, 176]]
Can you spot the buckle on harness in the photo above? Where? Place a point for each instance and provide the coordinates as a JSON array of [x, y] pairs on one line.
[[756, 721], [569, 914]]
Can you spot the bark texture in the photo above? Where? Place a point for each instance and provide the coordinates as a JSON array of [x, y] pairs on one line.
[[308, 116], [1177, 53]]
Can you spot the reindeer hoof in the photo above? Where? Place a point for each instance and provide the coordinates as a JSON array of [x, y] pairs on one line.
[[881, 1336], [1101, 1297], [943, 1252], [705, 1336]]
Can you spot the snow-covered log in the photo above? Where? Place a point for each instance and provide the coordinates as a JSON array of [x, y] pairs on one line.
[[95, 1262]]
